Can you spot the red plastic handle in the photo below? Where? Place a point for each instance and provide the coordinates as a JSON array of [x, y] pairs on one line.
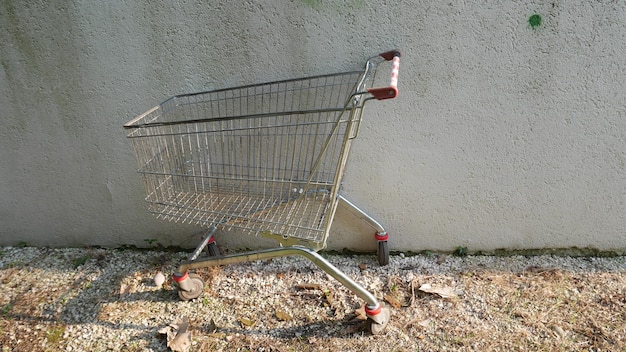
[[390, 91]]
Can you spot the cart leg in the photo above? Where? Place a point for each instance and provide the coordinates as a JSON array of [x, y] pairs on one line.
[[207, 240], [377, 314], [381, 235], [190, 285]]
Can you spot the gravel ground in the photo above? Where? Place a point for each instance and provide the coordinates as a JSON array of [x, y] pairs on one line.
[[106, 300]]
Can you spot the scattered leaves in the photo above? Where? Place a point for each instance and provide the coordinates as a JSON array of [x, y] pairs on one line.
[[327, 293]]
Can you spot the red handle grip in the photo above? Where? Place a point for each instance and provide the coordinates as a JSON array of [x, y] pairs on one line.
[[390, 91]]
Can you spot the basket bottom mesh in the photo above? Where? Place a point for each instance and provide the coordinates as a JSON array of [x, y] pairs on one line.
[[302, 217]]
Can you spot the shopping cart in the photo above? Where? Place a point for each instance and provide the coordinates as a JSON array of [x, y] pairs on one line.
[[264, 159]]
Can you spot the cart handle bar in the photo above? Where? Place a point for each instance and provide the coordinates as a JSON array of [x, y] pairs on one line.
[[390, 91]]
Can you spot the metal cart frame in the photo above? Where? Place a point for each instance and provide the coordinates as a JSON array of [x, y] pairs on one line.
[[265, 159]]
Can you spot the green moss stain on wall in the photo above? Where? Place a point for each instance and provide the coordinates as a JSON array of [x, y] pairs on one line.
[[534, 21]]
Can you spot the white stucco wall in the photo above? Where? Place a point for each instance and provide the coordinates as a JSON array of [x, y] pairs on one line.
[[503, 136]]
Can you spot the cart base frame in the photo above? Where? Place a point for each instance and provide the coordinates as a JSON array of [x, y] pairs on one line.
[[189, 284]]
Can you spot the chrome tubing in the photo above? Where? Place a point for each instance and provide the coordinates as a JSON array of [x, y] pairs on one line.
[[310, 254]]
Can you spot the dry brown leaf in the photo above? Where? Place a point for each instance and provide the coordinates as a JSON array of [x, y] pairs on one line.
[[362, 266], [177, 336], [559, 332], [308, 287], [443, 292], [424, 323], [329, 296], [247, 322], [124, 290], [7, 277], [393, 301], [360, 313], [283, 316], [181, 342]]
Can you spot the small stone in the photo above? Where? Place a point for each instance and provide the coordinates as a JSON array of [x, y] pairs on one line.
[[159, 279], [441, 259]]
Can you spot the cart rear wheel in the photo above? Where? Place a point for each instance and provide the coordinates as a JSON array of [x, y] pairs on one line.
[[378, 328], [197, 287], [383, 253], [212, 249]]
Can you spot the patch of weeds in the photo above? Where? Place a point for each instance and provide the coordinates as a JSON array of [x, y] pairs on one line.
[[460, 252], [133, 346], [55, 334], [80, 261], [13, 264], [6, 309], [22, 244], [427, 253], [153, 243]]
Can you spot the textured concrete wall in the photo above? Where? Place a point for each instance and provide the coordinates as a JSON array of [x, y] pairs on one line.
[[506, 134]]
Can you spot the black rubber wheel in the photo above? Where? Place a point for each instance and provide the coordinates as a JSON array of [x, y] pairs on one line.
[[212, 249], [379, 328], [197, 287], [383, 253]]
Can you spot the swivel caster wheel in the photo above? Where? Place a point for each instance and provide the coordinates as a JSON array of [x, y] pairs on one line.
[[195, 285], [377, 325]]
